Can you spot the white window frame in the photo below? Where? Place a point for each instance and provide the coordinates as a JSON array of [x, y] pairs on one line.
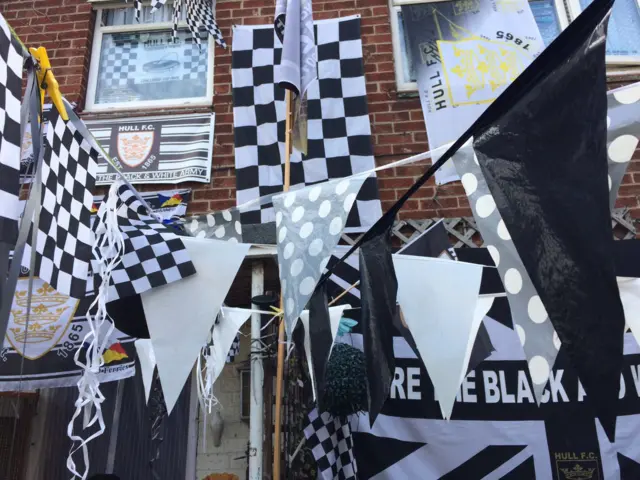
[[99, 31], [613, 60]]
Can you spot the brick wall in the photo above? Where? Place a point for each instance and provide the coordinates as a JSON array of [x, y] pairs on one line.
[[65, 28]]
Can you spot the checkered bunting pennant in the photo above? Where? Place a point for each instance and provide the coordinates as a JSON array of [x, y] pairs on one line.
[[199, 13], [10, 92], [64, 238], [234, 351], [339, 131], [153, 255], [331, 443]]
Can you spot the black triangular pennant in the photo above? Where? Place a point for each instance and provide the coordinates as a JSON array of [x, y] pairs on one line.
[[378, 292], [321, 339], [545, 163]]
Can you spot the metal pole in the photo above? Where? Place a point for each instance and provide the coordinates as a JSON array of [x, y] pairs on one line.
[[256, 412]]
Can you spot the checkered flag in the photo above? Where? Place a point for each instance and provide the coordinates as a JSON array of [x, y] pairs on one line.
[[234, 351], [118, 61], [331, 443], [64, 238], [153, 255], [199, 13], [339, 131], [10, 92]]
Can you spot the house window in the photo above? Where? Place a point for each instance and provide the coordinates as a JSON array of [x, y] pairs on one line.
[[136, 65], [623, 42], [623, 33]]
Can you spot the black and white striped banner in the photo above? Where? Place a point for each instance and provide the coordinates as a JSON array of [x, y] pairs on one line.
[[163, 149]]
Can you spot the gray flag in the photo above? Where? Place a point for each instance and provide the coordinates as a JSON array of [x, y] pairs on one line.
[[299, 63]]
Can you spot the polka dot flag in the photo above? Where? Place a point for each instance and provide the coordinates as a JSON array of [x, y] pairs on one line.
[[537, 335], [309, 222], [545, 165]]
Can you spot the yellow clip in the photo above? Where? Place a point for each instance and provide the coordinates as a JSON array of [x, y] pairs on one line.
[[46, 81], [277, 311]]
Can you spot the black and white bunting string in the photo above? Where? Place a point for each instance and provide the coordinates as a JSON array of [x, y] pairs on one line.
[[541, 67], [199, 13]]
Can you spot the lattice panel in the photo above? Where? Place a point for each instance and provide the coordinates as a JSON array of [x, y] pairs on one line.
[[463, 231]]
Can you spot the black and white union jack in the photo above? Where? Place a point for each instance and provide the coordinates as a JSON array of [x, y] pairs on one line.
[[10, 91], [65, 239], [331, 443], [339, 130], [153, 255]]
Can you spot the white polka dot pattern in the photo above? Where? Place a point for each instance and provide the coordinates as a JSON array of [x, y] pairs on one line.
[[623, 132], [536, 339], [309, 223], [622, 148], [223, 225]]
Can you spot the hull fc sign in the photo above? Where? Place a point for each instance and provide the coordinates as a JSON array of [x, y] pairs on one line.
[[167, 149]]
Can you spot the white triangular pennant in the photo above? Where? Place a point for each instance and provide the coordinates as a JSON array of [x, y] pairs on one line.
[[438, 299], [224, 332], [335, 314], [180, 315], [147, 360], [309, 222]]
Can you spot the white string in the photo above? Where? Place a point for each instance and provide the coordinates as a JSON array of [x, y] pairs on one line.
[[108, 254], [435, 153]]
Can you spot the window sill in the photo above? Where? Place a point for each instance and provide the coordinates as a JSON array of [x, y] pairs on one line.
[[196, 107]]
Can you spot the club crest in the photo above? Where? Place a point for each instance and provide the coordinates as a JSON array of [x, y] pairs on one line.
[[51, 312], [134, 147]]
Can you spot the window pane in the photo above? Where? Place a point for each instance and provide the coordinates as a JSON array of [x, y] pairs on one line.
[[408, 72], [126, 16], [623, 35], [546, 15], [544, 12], [142, 66]]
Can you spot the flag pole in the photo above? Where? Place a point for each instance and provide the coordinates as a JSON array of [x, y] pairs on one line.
[[281, 339]]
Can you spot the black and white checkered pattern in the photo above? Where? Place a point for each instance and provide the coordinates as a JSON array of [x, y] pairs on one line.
[[194, 64], [153, 255], [118, 63], [65, 239], [199, 13], [331, 443], [234, 351], [339, 131], [10, 92]]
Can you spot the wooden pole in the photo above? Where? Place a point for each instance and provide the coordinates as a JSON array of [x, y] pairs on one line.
[[281, 342]]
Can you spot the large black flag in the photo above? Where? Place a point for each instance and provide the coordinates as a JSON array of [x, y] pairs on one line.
[[542, 150]]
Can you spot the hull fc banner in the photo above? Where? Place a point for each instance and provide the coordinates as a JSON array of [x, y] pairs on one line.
[[465, 54], [497, 431], [166, 149], [39, 353]]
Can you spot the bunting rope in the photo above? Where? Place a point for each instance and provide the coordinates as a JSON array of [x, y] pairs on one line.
[[108, 255]]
